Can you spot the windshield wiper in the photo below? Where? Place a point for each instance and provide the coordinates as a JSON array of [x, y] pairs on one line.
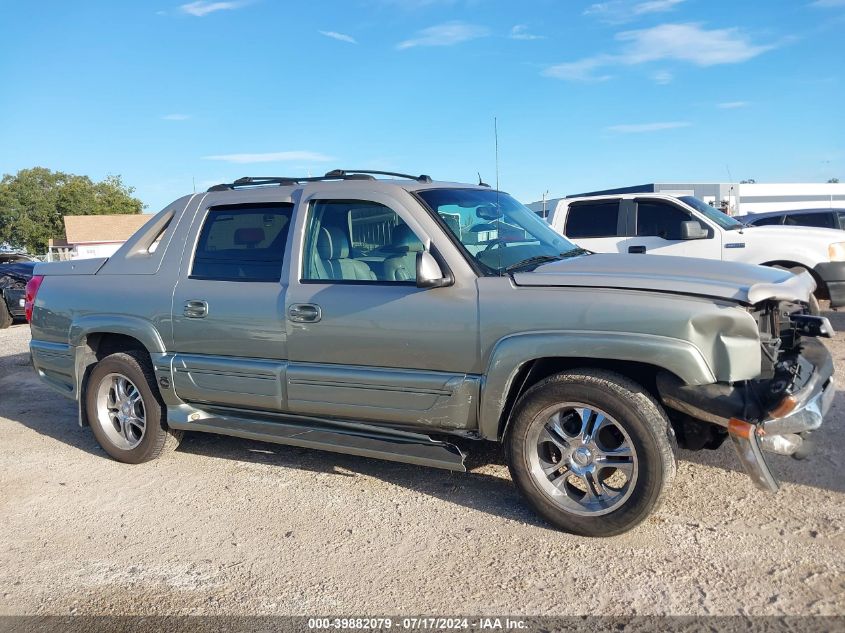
[[534, 261]]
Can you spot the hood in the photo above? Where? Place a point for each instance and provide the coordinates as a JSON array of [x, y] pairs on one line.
[[21, 270], [819, 235], [745, 283]]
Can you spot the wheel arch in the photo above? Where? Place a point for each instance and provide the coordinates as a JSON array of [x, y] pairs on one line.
[[96, 337], [520, 361], [821, 287]]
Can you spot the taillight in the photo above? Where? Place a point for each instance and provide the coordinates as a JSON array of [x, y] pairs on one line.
[[32, 287]]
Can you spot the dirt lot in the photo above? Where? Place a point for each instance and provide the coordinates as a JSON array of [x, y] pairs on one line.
[[227, 526]]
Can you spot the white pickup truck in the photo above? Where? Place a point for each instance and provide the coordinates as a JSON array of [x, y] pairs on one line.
[[661, 224]]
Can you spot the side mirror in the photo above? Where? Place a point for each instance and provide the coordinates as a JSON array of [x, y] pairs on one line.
[[429, 274], [692, 230]]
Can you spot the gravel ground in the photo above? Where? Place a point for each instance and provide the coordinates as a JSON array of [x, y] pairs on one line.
[[228, 526]]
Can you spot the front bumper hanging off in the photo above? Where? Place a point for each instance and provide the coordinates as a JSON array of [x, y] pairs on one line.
[[785, 431], [786, 435]]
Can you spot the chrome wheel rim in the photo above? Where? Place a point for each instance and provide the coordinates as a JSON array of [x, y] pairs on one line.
[[582, 459], [120, 411]]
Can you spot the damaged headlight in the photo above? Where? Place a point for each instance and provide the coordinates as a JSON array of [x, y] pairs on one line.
[[836, 252]]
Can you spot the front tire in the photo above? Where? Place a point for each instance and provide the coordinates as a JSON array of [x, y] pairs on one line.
[[591, 451], [125, 409]]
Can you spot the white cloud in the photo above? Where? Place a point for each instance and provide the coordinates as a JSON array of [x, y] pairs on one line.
[[447, 34], [521, 32], [655, 6], [271, 157], [662, 77], [204, 7], [619, 11], [639, 128], [581, 70], [341, 37], [176, 117], [732, 105], [690, 43]]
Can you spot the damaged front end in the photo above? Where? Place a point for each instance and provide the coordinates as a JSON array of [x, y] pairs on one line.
[[778, 410]]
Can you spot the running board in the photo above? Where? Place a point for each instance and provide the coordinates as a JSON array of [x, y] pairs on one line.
[[351, 438]]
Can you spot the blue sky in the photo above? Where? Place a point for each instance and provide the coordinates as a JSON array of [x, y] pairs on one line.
[[587, 95]]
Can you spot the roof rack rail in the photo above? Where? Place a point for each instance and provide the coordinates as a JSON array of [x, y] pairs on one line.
[[342, 173], [335, 174]]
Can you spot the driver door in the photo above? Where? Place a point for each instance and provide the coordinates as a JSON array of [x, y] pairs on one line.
[[657, 230], [364, 341]]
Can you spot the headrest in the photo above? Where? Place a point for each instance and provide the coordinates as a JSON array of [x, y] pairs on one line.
[[332, 243], [405, 240], [249, 236]]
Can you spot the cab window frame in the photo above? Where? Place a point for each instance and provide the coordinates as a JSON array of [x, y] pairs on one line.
[[635, 218], [244, 208], [621, 228], [307, 245]]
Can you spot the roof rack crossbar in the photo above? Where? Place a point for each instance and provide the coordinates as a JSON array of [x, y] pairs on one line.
[[335, 174]]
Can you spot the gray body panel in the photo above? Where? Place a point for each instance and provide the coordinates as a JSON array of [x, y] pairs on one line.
[[439, 359]]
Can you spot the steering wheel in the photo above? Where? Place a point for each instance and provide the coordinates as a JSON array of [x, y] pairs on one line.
[[498, 242]]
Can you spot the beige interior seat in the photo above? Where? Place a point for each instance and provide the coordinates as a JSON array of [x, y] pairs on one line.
[[402, 266], [333, 261]]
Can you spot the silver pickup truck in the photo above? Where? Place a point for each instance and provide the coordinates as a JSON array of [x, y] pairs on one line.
[[400, 318]]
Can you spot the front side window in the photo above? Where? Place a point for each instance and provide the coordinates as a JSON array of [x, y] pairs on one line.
[[822, 220], [497, 232], [243, 243], [358, 241], [593, 219], [660, 219]]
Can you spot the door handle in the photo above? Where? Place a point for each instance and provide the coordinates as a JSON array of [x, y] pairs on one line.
[[195, 309], [640, 249], [304, 313]]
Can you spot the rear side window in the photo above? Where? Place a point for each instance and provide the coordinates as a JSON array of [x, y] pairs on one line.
[[841, 218], [775, 219], [660, 219], [823, 220], [593, 219], [243, 243]]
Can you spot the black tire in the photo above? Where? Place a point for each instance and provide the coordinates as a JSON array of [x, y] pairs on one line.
[[5, 315], [157, 438], [632, 411]]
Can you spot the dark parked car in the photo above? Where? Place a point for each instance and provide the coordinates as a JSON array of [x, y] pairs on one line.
[[15, 271], [823, 218]]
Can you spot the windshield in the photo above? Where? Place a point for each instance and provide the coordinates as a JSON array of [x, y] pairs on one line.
[[713, 214], [498, 232]]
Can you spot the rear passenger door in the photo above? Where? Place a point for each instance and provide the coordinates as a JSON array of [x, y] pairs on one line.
[[596, 225], [228, 307]]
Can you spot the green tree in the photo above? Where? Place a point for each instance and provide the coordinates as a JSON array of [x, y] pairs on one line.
[[34, 201]]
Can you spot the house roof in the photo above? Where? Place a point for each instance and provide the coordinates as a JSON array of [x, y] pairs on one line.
[[80, 229]]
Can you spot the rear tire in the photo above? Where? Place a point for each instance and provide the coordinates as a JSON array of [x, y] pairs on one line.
[[125, 409], [5, 315], [591, 451]]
